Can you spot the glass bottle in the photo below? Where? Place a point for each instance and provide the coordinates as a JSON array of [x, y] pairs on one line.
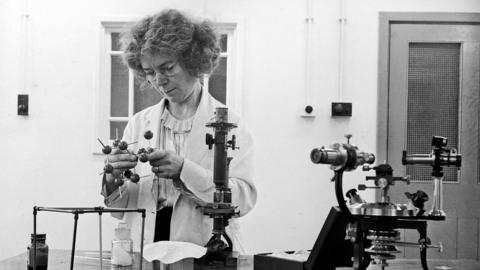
[[122, 246], [41, 253]]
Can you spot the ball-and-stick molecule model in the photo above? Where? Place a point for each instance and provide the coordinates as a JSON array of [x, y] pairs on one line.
[[142, 155]]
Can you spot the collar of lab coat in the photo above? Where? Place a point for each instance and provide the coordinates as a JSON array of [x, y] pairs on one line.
[[204, 114]]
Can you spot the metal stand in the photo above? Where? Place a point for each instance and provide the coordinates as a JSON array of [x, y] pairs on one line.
[[374, 224], [83, 210], [379, 223], [366, 223]]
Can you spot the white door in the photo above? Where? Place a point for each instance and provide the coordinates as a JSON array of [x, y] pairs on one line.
[[433, 89]]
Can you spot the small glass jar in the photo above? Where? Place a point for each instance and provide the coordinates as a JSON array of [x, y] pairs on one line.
[[122, 252], [41, 253], [122, 246]]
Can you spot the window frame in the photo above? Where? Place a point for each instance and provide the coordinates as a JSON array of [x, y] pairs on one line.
[[103, 73], [233, 82]]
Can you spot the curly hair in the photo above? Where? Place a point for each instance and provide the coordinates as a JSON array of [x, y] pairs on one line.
[[170, 32]]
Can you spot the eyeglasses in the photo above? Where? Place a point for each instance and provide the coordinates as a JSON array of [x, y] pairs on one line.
[[167, 69]]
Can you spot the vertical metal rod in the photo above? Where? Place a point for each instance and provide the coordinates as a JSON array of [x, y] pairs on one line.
[[437, 204], [423, 251], [34, 239], [141, 240], [100, 236], [74, 239]]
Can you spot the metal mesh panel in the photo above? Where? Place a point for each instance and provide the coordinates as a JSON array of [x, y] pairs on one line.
[[433, 98]]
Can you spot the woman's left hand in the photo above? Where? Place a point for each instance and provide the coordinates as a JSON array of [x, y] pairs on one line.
[[166, 164]]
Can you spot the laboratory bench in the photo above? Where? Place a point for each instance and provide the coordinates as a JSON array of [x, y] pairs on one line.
[[89, 260]]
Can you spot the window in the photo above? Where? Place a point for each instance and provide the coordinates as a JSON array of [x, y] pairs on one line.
[[217, 82], [121, 95]]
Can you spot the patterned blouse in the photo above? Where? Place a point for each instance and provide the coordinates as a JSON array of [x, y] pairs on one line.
[[173, 136]]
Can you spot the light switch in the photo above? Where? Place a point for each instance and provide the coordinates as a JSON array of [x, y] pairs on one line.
[[22, 107]]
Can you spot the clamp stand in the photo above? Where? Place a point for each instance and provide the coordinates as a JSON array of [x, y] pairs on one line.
[[83, 210]]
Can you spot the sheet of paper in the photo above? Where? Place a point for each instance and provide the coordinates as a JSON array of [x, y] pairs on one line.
[[172, 251]]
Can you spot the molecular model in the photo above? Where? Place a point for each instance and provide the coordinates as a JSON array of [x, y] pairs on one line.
[[142, 155]]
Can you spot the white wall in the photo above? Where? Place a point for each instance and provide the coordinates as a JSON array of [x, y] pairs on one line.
[[47, 157]]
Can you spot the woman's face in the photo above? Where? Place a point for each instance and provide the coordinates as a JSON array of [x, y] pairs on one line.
[[166, 75]]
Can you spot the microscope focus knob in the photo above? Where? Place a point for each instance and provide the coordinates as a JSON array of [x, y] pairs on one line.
[[209, 140], [233, 143]]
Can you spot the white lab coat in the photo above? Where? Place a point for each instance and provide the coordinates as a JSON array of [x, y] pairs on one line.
[[188, 223]]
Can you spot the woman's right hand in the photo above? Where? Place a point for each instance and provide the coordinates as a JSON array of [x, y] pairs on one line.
[[120, 160]]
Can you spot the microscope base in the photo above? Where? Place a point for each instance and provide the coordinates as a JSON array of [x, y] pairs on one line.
[[219, 260]]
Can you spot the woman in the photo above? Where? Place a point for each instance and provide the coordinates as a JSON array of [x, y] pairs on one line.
[[173, 53]]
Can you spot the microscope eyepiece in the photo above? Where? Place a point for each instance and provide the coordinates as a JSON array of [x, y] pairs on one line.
[[327, 156], [341, 156]]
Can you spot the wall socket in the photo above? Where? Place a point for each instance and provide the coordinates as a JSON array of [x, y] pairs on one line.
[[307, 111], [341, 109], [22, 106]]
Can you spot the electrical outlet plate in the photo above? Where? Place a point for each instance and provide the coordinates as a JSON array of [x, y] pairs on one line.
[[307, 111], [22, 105], [341, 109]]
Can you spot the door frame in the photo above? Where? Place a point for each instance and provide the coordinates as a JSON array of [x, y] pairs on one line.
[[386, 19]]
